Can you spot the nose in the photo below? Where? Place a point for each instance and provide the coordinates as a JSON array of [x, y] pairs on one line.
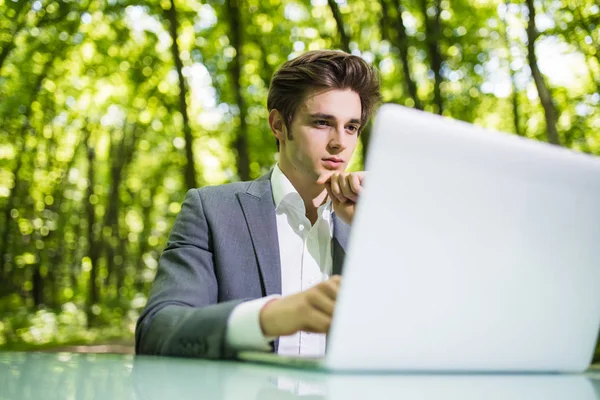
[[337, 139]]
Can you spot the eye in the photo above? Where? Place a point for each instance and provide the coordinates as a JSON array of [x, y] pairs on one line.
[[352, 128], [321, 122]]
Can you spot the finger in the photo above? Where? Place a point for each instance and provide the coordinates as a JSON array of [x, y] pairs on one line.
[[355, 183], [361, 176], [345, 187], [324, 177], [317, 322], [329, 288], [330, 193], [335, 187], [321, 301]]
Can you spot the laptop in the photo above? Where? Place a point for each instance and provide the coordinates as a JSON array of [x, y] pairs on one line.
[[471, 251]]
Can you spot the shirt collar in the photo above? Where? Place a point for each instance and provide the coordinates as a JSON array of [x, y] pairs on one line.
[[284, 191], [282, 186]]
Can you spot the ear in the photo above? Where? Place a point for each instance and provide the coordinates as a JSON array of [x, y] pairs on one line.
[[277, 125]]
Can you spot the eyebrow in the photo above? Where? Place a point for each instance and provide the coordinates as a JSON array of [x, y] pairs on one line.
[[331, 117]]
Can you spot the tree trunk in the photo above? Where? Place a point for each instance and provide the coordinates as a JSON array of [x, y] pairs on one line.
[[190, 168], [121, 270], [149, 223], [93, 252], [241, 140], [13, 193], [4, 254], [53, 280], [515, 104], [74, 268], [111, 219], [515, 90], [403, 47], [58, 256], [365, 135], [433, 34], [339, 20], [266, 72], [545, 97], [121, 157], [37, 282]]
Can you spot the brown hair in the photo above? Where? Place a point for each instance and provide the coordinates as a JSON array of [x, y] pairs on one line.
[[323, 69]]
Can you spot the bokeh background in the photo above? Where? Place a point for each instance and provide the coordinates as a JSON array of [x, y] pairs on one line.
[[111, 110]]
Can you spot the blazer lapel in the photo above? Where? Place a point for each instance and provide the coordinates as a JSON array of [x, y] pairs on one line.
[[341, 231], [259, 210]]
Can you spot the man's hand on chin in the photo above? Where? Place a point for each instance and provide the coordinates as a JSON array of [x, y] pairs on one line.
[[343, 189]]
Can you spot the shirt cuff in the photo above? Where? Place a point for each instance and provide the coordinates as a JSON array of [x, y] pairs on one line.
[[243, 327]]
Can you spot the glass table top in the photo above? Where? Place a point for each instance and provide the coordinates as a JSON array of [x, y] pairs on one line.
[[106, 376]]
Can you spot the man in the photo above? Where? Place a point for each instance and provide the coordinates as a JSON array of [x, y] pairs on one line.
[[255, 265]]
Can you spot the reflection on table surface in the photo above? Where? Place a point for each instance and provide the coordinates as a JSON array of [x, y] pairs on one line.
[[65, 376]]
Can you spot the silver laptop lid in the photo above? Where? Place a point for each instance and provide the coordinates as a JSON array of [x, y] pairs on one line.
[[471, 250]]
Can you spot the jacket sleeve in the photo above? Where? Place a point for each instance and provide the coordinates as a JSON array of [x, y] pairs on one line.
[[182, 317]]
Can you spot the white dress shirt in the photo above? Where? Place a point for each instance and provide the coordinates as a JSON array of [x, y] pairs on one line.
[[305, 255]]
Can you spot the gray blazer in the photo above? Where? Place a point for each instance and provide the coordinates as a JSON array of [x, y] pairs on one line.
[[223, 250]]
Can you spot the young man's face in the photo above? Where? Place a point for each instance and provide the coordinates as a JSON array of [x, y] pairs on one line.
[[324, 134]]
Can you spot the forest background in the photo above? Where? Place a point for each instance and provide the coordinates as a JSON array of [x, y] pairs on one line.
[[111, 110]]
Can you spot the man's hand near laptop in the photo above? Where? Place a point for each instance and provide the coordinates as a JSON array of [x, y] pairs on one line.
[[309, 311], [312, 310]]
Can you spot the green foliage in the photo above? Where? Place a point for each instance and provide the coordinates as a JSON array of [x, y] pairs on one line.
[[23, 329], [94, 157]]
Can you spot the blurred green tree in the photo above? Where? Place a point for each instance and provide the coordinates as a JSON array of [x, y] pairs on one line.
[[110, 110]]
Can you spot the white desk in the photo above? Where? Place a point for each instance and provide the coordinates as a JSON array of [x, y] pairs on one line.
[[111, 377]]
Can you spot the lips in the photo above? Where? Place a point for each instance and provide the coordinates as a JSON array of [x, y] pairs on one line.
[[333, 162]]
